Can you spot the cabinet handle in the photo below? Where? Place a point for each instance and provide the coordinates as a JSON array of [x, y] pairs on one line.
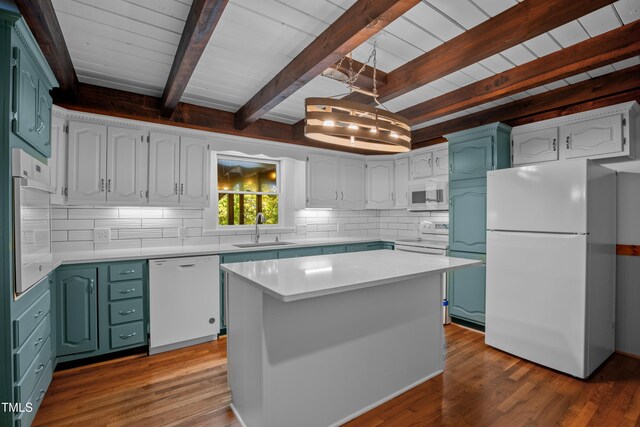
[[126, 313], [181, 189], [392, 196], [40, 368], [126, 337], [554, 144], [62, 191], [175, 188], [37, 343], [66, 191], [568, 147], [141, 194], [429, 162], [35, 316], [40, 396], [437, 158], [127, 272], [102, 185], [451, 168], [41, 125], [91, 286], [127, 291], [109, 185], [336, 195], [342, 195], [450, 202]]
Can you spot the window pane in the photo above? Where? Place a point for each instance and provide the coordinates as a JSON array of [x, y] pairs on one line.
[[244, 208], [243, 175]]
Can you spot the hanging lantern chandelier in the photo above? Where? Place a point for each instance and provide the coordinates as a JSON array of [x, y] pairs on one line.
[[354, 124]]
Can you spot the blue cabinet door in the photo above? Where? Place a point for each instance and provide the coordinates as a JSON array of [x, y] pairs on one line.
[[25, 97], [468, 216], [471, 159], [466, 292], [76, 295], [43, 139]]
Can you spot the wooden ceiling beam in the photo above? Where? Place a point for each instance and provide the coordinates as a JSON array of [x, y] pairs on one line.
[[515, 25], [607, 85], [203, 18], [41, 19], [610, 47], [355, 26]]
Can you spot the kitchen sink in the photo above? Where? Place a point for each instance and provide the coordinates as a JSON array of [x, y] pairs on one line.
[[257, 245]]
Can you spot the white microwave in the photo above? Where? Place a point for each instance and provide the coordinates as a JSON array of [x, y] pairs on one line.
[[428, 195]]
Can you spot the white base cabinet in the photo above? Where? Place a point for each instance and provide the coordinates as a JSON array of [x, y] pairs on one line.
[[596, 134]]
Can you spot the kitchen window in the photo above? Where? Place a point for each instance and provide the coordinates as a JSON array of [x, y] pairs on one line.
[[247, 186]]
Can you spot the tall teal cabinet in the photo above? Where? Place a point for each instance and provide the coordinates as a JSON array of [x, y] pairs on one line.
[[471, 154], [26, 352]]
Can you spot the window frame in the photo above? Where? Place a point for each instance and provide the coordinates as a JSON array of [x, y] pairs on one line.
[[278, 192]]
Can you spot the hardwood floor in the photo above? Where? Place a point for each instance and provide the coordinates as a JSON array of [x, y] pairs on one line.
[[481, 386]]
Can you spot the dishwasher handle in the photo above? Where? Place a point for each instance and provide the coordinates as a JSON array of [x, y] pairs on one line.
[[187, 265]]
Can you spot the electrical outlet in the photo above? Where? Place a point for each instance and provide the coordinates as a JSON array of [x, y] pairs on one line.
[[101, 235], [182, 232]]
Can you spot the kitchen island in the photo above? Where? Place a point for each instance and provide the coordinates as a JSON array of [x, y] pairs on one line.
[[317, 341]]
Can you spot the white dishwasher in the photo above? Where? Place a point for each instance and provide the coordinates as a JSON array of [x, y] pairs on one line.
[[184, 302]]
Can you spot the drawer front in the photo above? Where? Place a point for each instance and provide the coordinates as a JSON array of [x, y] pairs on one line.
[[35, 371], [357, 247], [249, 256], [125, 290], [340, 249], [26, 418], [125, 311], [31, 318], [127, 335], [300, 252], [25, 355], [127, 271]]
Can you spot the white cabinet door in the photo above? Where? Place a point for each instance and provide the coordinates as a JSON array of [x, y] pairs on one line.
[[352, 183], [87, 168], [421, 166], [402, 182], [194, 172], [58, 161], [593, 137], [441, 162], [536, 146], [164, 167], [124, 180], [322, 181], [380, 186]]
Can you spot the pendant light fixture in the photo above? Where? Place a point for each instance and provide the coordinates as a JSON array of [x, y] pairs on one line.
[[354, 124]]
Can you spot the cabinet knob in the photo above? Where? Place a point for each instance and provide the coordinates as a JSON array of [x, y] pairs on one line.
[[553, 144], [109, 185], [568, 145], [175, 188], [181, 189]]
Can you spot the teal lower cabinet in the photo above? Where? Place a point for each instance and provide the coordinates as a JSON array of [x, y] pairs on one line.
[[77, 309], [334, 249], [466, 293], [299, 252], [101, 308], [468, 214], [33, 352]]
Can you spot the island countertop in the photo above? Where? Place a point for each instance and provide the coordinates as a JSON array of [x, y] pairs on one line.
[[294, 279]]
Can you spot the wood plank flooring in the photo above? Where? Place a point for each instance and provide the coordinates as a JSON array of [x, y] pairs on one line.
[[481, 386]]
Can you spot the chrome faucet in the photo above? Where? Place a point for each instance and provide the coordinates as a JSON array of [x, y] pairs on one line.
[[259, 220]]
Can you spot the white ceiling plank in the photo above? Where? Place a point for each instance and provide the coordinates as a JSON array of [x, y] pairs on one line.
[[477, 71], [460, 11], [556, 85], [412, 34], [537, 90], [600, 21], [629, 10], [601, 71], [518, 54], [570, 34], [542, 45], [496, 64], [629, 62], [433, 21], [494, 7], [577, 78]]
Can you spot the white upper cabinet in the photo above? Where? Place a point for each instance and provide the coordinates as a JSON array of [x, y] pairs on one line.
[[441, 162], [593, 137], [164, 168], [58, 161], [124, 157], [421, 166], [323, 175], [596, 134], [87, 162], [352, 184], [535, 146], [194, 172], [380, 184], [401, 181]]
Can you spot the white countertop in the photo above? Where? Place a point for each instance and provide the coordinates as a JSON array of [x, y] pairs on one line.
[[307, 277], [79, 257]]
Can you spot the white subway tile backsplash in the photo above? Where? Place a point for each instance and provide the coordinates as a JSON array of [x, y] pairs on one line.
[[72, 224], [126, 213], [71, 246], [80, 235], [193, 222], [171, 232], [118, 223], [57, 213], [154, 243], [84, 213], [161, 223], [194, 232], [197, 241], [118, 244], [182, 213], [59, 236], [235, 239]]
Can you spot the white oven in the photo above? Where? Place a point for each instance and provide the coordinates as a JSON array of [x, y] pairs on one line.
[[428, 195], [31, 220], [433, 240]]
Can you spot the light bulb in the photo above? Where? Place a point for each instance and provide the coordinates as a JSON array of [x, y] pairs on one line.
[[328, 123], [353, 141], [373, 130], [353, 127], [394, 135]]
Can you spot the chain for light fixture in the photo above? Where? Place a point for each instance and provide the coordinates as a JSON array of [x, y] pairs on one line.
[[354, 124]]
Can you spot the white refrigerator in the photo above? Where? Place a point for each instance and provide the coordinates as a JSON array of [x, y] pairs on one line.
[[551, 238]]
